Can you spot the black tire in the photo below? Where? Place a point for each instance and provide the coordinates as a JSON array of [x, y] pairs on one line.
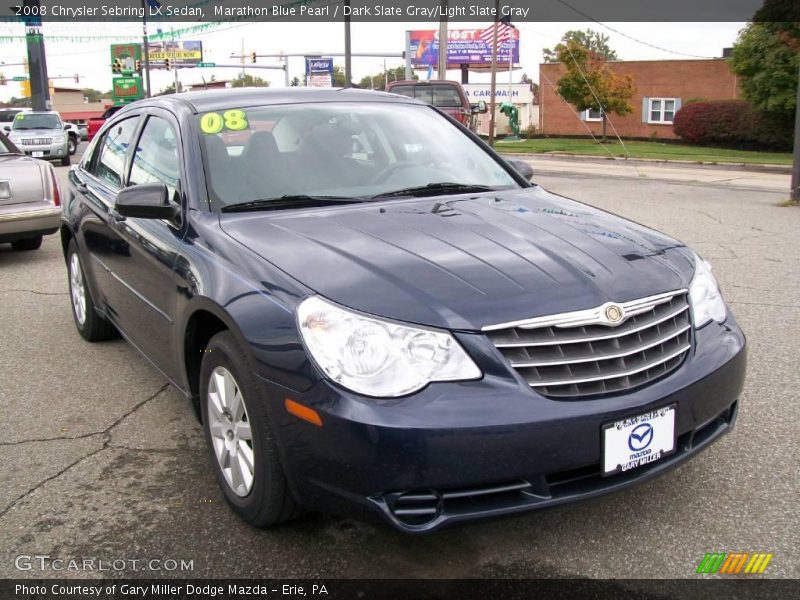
[[72, 145], [269, 501], [66, 161], [94, 327], [31, 243]]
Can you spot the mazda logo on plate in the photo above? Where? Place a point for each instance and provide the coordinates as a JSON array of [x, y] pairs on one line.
[[614, 313], [640, 437]]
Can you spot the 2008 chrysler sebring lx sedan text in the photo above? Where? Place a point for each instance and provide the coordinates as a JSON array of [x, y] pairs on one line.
[[372, 312]]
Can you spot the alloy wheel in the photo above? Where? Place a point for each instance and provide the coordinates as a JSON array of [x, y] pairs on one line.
[[231, 435], [77, 288]]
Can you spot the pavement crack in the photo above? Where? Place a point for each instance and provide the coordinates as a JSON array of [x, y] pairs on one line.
[[37, 292], [107, 436]]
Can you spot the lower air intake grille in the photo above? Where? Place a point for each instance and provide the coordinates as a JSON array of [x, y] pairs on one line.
[[612, 348]]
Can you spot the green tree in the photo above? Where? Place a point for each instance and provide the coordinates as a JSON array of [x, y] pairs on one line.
[[295, 82], [93, 95], [533, 85], [378, 81], [767, 58], [589, 83], [338, 76], [591, 40], [249, 81]]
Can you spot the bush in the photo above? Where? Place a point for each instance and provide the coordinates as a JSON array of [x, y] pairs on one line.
[[732, 124]]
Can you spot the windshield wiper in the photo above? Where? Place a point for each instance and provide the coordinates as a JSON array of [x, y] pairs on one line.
[[288, 201], [435, 189]]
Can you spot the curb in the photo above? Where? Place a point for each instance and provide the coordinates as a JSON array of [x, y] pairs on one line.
[[778, 169]]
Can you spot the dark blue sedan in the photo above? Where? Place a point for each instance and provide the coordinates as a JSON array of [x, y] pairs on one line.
[[372, 312]]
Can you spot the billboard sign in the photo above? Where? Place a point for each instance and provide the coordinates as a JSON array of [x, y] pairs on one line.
[[181, 53], [127, 54], [464, 46], [319, 71]]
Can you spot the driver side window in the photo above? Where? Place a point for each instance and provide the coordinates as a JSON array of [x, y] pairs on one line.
[[113, 149], [156, 156]]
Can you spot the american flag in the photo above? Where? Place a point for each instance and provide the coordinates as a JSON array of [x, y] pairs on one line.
[[505, 32]]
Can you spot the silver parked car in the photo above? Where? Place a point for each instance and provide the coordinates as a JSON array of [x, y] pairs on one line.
[[30, 200], [41, 135]]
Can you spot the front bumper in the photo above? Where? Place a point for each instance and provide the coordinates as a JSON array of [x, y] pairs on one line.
[[470, 450], [18, 221], [52, 152]]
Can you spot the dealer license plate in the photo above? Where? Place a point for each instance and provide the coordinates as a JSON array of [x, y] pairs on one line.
[[638, 441], [37, 154]]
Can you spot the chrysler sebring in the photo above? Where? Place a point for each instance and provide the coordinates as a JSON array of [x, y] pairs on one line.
[[374, 313]]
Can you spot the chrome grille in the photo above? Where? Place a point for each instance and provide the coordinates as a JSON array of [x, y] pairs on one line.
[[37, 141], [583, 353]]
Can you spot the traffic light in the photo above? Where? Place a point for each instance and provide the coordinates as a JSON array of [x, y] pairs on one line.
[[139, 67], [167, 64], [116, 66], [77, 78], [253, 57]]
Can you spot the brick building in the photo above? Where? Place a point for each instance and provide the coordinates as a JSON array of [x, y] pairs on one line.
[[661, 87]]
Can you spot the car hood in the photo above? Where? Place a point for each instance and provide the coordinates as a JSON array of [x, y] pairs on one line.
[[30, 132], [466, 262]]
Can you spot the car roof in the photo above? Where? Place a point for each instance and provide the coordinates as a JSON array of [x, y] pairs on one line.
[[206, 100]]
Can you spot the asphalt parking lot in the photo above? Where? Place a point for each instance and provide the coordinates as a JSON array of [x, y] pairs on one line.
[[102, 460]]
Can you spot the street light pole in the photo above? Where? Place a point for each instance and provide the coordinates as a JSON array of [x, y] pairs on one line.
[[493, 85], [347, 73], [443, 41], [146, 50]]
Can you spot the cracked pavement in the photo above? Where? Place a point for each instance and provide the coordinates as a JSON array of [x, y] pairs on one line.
[[101, 459]]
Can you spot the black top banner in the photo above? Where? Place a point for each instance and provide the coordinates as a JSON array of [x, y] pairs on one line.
[[389, 10]]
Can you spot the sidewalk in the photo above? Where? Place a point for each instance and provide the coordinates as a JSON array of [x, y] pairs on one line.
[[721, 175]]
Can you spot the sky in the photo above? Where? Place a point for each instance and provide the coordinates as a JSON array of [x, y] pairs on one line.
[[91, 60]]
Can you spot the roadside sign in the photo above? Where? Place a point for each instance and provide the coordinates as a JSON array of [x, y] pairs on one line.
[[19, 78], [128, 55], [127, 89], [206, 64]]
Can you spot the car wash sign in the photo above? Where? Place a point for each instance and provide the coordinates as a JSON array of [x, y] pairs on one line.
[[319, 71]]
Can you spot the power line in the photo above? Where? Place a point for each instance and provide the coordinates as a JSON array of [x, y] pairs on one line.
[[630, 37]]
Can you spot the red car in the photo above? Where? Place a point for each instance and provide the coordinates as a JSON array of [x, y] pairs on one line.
[[447, 96], [95, 123]]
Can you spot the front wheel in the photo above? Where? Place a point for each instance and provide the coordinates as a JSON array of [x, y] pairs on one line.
[[239, 436], [90, 324], [72, 145]]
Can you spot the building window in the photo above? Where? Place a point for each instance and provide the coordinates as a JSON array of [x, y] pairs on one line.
[[592, 115], [662, 110]]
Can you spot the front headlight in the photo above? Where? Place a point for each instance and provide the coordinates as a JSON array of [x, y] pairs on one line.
[[704, 295], [59, 139], [374, 357]]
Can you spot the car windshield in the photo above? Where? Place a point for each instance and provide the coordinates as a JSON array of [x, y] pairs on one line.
[[337, 149], [36, 121]]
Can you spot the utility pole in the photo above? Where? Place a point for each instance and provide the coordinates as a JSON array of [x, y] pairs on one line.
[[347, 73], [409, 73], [146, 50], [443, 41], [795, 194], [37, 63], [493, 85]]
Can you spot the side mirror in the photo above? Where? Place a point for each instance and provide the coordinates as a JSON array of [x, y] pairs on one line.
[[146, 201], [521, 167], [66, 126], [7, 128], [479, 108]]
